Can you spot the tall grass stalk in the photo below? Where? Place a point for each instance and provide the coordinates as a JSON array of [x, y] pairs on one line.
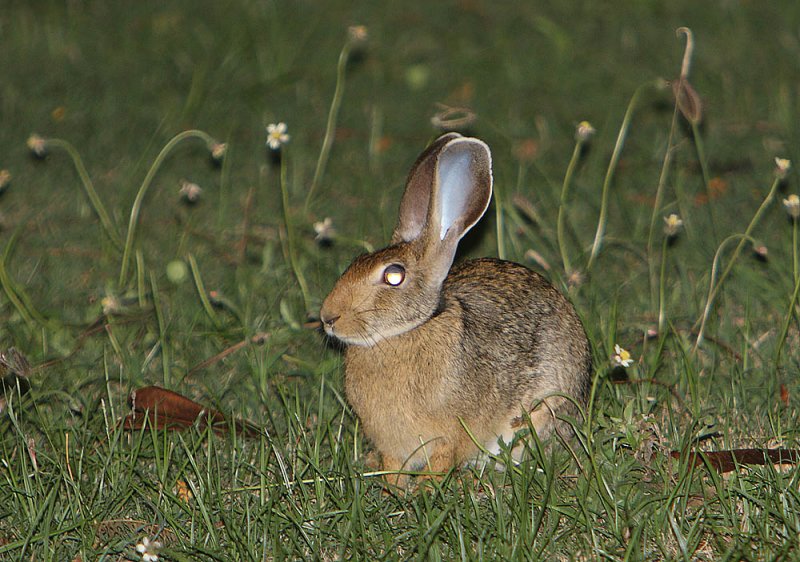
[[666, 163], [701, 157], [15, 294], [713, 288], [795, 275], [499, 224], [562, 207], [612, 166], [333, 114], [9, 287], [162, 332], [290, 239], [202, 293], [99, 209], [789, 315], [137, 202], [662, 286]]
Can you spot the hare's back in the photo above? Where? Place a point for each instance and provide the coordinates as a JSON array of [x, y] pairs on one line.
[[518, 327], [489, 286]]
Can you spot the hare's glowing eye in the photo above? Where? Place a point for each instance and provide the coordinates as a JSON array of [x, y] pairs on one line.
[[394, 275]]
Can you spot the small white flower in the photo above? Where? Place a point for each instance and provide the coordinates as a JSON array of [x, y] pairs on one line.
[[111, 305], [792, 206], [357, 33], [37, 145], [148, 549], [190, 192], [218, 150], [621, 357], [276, 135], [782, 167], [325, 231], [576, 278], [584, 131], [672, 225]]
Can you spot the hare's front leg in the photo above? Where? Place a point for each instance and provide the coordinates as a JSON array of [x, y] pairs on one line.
[[394, 466], [440, 461]]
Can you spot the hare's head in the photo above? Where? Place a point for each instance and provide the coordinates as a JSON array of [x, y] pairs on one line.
[[393, 290]]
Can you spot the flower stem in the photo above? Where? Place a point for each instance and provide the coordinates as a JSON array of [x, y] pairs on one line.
[[612, 165], [202, 293], [701, 157], [290, 239], [665, 165], [10, 290], [330, 128], [88, 187], [662, 287], [794, 251], [662, 180], [789, 315], [137, 203], [162, 331], [743, 238], [500, 224], [573, 162]]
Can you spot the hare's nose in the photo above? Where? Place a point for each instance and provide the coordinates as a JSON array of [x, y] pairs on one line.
[[329, 321]]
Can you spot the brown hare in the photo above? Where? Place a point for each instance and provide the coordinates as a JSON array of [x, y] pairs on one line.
[[432, 350]]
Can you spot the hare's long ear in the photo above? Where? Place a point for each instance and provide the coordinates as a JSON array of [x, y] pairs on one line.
[[462, 188], [460, 195], [417, 196]]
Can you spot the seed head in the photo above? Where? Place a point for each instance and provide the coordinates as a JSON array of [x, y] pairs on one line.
[[358, 33], [792, 206], [584, 131], [782, 167], [325, 231], [672, 225], [37, 145], [218, 150], [190, 192]]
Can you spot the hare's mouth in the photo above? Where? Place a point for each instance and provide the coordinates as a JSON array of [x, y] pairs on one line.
[[365, 337]]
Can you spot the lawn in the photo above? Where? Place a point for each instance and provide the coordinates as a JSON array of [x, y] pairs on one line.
[[110, 281]]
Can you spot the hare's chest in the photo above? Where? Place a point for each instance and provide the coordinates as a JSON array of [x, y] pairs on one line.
[[397, 397]]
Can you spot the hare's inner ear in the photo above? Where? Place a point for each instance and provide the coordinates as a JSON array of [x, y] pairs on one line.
[[462, 187], [417, 196]]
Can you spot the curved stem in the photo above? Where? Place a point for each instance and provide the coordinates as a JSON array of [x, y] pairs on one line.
[[573, 162], [499, 225], [330, 127], [662, 287], [612, 165], [785, 331], [714, 289], [137, 203], [18, 298], [201, 292], [662, 179], [290, 240], [687, 52], [794, 251], [88, 187]]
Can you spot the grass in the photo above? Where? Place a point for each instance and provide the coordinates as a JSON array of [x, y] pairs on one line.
[[109, 282]]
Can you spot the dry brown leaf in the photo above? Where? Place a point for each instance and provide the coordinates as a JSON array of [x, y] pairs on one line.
[[728, 461], [164, 409]]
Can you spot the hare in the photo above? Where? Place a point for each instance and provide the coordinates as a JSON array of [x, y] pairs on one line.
[[440, 360]]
